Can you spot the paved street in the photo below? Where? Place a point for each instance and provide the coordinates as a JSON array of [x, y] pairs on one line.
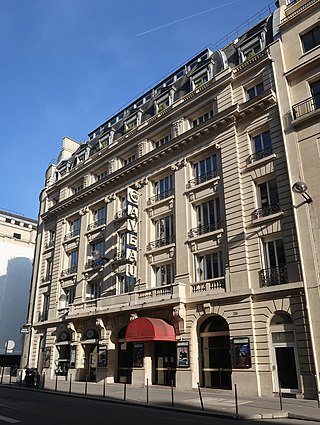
[[36, 407]]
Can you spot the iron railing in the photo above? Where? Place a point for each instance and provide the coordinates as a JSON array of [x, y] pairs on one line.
[[274, 276], [46, 278], [49, 244], [265, 211], [68, 271], [72, 234], [206, 228], [161, 242], [202, 178], [160, 196], [306, 106], [260, 155], [96, 224], [90, 264]]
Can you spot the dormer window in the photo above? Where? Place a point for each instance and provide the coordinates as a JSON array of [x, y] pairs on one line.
[[132, 122], [164, 104], [199, 81], [250, 49]]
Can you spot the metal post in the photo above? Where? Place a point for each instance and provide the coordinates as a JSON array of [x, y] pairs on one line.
[[21, 375], [236, 400], [56, 385], [200, 396], [280, 395], [2, 372], [86, 386], [10, 377], [70, 383], [125, 391], [147, 390], [172, 397], [317, 389], [104, 388], [43, 380]]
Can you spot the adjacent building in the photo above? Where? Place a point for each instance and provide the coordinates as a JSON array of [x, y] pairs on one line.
[[171, 246], [17, 242]]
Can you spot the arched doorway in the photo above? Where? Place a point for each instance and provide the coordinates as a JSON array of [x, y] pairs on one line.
[[215, 359], [284, 353], [90, 341], [62, 363]]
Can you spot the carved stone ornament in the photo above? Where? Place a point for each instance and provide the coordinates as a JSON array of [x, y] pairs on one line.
[[177, 127], [108, 199], [179, 318], [133, 316]]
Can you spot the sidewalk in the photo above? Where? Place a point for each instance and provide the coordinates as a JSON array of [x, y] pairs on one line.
[[215, 402]]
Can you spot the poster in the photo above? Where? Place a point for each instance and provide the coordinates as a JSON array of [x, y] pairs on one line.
[[102, 356], [241, 356], [46, 357], [137, 355], [183, 354]]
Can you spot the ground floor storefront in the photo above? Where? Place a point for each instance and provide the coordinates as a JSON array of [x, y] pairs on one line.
[[258, 345]]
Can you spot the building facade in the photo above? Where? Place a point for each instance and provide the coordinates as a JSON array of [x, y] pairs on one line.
[[17, 242], [170, 246]]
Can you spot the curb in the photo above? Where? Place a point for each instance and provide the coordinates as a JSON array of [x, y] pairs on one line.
[[302, 417]]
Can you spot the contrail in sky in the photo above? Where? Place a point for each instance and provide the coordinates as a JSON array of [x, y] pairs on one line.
[[186, 17]]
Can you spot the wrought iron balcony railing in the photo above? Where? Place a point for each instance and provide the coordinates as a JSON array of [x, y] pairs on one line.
[[49, 244], [72, 234], [46, 278], [94, 263], [96, 224], [161, 242], [260, 155], [68, 271], [265, 211], [273, 276], [160, 196], [202, 178], [120, 255], [306, 106], [206, 228]]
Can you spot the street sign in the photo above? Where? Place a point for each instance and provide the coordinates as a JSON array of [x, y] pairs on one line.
[[9, 346]]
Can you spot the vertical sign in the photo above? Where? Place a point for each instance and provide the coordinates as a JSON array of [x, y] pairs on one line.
[[131, 239]]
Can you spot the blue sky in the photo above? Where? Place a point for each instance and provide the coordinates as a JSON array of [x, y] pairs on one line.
[[68, 65]]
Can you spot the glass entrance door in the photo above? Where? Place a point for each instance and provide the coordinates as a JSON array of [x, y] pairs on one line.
[[286, 365], [165, 370], [91, 358], [124, 361]]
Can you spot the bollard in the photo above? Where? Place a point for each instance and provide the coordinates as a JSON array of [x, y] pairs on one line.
[[104, 388], [280, 396], [2, 372], [86, 386], [70, 383], [200, 396], [125, 391], [172, 396], [43, 380], [318, 391], [147, 388], [236, 401], [56, 384], [21, 375]]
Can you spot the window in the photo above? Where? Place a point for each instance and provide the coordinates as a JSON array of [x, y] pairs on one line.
[[163, 188], [102, 175], [78, 189], [162, 141], [75, 227], [249, 52], [202, 118], [52, 236], [206, 168], [164, 227], [311, 39], [99, 216], [209, 266], [98, 246], [49, 264], [129, 159], [45, 307], [200, 80], [274, 263], [208, 213], [94, 290], [268, 199], [70, 295], [255, 91], [164, 275], [17, 236], [261, 146], [73, 260], [163, 104], [315, 91]]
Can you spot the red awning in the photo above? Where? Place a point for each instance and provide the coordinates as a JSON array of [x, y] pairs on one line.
[[146, 329]]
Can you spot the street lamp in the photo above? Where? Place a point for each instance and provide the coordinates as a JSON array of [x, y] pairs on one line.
[[301, 188], [96, 255]]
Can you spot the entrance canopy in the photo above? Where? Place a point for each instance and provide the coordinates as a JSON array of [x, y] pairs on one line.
[[145, 329]]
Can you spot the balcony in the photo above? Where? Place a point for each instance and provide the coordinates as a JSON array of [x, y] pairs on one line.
[[208, 286], [160, 242], [160, 196], [120, 255], [96, 224], [72, 234], [206, 228], [121, 215], [202, 178], [306, 107], [265, 211], [259, 155], [49, 244], [70, 270], [90, 264], [46, 278], [273, 276]]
